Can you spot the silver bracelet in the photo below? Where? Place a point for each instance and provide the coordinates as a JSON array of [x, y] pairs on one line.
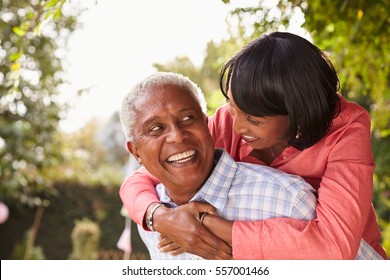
[[149, 218]]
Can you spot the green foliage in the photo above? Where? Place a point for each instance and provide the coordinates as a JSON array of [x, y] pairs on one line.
[[100, 204], [386, 237], [30, 72], [101, 162], [21, 249], [381, 198], [357, 34], [85, 239]]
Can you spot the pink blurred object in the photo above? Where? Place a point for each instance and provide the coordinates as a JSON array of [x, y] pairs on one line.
[[4, 213], [124, 242]]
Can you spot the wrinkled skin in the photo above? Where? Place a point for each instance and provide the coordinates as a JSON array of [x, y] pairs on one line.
[[194, 238]]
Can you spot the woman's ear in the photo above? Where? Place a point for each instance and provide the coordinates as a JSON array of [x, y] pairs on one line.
[[132, 148]]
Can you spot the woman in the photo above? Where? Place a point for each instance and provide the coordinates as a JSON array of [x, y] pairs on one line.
[[284, 111]]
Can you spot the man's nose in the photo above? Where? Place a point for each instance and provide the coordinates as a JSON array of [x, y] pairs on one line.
[[176, 134]]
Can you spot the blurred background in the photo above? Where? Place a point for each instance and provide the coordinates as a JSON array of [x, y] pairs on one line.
[[65, 66]]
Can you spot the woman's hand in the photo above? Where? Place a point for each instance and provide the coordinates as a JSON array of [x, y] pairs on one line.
[[183, 231], [166, 245]]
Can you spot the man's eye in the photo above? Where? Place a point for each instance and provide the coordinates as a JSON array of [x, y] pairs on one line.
[[155, 129], [187, 118]]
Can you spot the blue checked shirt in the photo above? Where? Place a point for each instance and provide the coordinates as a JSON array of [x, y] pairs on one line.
[[248, 192]]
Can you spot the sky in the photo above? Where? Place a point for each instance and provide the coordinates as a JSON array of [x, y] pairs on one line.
[[121, 39]]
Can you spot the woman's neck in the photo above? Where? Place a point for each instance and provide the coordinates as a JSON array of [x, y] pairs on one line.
[[267, 155]]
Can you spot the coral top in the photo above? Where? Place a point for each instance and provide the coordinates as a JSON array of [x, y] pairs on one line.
[[340, 167]]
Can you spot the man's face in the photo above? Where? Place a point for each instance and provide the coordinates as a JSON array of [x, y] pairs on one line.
[[172, 140]]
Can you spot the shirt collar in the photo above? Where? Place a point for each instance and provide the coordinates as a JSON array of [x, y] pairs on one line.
[[216, 188]]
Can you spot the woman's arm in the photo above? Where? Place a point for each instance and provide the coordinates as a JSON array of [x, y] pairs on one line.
[[220, 227], [137, 192]]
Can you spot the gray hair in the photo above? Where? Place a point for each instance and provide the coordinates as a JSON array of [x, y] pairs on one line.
[[128, 111]]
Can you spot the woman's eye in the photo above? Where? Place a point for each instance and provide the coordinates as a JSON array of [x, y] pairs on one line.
[[252, 121]]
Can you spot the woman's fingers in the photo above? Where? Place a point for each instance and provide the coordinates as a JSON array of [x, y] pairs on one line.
[[163, 241]]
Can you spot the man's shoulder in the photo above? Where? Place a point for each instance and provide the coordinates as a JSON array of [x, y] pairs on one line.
[[249, 175], [269, 177]]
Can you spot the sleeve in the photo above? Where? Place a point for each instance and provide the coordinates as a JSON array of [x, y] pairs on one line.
[[304, 205], [221, 129], [137, 192], [344, 202]]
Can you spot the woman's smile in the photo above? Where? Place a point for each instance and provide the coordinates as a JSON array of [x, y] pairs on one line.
[[248, 138]]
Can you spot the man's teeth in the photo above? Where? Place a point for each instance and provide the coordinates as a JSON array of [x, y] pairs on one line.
[[182, 157]]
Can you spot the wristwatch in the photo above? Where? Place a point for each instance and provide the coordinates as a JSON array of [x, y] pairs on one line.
[[149, 217]]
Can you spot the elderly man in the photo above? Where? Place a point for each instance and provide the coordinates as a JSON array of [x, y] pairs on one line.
[[165, 122]]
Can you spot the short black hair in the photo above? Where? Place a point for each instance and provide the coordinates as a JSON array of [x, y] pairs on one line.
[[284, 74]]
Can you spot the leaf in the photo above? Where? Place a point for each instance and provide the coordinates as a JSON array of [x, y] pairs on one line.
[[19, 31], [51, 4], [48, 14], [15, 56], [57, 14], [37, 29], [30, 15]]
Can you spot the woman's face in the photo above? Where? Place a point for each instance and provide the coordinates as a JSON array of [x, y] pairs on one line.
[[259, 132]]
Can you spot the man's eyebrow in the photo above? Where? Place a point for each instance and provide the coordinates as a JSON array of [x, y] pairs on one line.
[[156, 118], [190, 109], [149, 120]]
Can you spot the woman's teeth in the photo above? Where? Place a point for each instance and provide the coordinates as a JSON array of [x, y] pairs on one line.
[[249, 138]]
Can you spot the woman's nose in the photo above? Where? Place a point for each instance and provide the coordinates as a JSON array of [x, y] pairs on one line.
[[239, 124]]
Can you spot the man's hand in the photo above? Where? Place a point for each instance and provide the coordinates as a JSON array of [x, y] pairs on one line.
[[182, 231]]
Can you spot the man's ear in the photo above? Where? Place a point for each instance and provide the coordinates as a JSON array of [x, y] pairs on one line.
[[132, 148]]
